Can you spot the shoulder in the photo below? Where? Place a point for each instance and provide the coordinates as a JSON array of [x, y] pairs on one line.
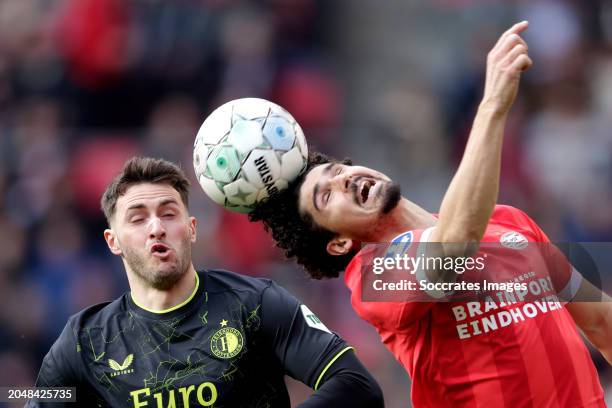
[[96, 315], [510, 215], [62, 362], [510, 220], [275, 301], [400, 244], [219, 280]]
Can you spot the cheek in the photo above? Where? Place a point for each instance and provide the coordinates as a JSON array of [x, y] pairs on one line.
[[341, 215], [179, 231], [344, 205], [125, 238], [135, 241]]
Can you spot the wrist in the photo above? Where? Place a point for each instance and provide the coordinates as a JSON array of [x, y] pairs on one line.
[[492, 108]]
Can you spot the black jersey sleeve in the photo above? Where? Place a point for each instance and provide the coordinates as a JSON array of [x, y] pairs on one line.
[[347, 383], [300, 341], [312, 354], [58, 368]]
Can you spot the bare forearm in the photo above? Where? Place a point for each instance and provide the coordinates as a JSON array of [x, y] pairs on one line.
[[472, 194], [601, 341], [595, 321], [601, 336]]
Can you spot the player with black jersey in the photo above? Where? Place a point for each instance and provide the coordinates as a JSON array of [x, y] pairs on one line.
[[182, 338]]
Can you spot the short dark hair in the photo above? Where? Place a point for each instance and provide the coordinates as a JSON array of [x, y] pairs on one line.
[[296, 233], [144, 170]]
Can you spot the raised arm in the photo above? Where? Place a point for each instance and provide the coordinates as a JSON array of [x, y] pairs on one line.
[[472, 194]]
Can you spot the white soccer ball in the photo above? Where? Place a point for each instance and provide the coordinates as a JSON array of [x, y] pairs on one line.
[[247, 150]]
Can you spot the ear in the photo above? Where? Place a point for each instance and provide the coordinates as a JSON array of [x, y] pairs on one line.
[[193, 223], [339, 246], [111, 240]]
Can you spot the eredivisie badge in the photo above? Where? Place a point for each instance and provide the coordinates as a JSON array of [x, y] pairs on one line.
[[227, 342]]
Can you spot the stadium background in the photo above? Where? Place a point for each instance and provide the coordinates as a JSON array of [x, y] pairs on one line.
[[84, 84]]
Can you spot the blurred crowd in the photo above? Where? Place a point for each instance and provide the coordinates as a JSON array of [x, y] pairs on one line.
[[86, 84]]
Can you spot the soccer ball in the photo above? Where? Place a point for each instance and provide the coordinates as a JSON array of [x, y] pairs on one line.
[[247, 150]]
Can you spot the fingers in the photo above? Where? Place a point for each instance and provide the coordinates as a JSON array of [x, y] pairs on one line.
[[515, 29], [514, 53], [511, 50], [521, 63], [509, 43], [505, 62]]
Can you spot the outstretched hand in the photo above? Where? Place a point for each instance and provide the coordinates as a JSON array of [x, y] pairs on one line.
[[505, 63]]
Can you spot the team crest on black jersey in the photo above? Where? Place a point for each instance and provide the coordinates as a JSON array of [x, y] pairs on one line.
[[227, 342]]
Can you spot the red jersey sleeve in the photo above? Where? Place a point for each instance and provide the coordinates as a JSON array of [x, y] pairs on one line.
[[564, 277]]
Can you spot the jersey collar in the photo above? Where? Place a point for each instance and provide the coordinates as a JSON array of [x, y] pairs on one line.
[[170, 312]]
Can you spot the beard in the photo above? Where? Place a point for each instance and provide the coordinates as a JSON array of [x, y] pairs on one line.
[[167, 274], [391, 197]]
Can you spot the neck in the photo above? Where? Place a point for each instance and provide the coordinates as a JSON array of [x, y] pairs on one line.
[[406, 216], [156, 300]]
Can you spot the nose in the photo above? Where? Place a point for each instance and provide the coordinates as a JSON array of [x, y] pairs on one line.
[[341, 181], [156, 228]]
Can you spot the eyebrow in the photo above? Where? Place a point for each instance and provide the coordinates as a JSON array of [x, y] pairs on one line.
[[168, 201], [326, 170], [140, 206], [135, 207]]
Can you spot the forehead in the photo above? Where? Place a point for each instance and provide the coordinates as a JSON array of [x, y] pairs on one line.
[[308, 186], [147, 194]]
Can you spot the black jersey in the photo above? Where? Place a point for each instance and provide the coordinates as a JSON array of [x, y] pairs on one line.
[[229, 345]]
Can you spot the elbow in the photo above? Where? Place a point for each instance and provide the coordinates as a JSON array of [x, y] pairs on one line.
[[463, 244], [367, 392], [374, 398], [599, 333], [378, 399], [602, 343], [466, 227]]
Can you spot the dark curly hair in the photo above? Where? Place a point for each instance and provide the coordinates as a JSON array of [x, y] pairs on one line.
[[296, 233]]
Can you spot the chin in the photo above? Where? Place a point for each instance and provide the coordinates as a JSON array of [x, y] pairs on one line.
[[391, 197], [164, 280]]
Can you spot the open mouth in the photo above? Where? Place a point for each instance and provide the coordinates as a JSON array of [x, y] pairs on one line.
[[364, 191], [160, 249]]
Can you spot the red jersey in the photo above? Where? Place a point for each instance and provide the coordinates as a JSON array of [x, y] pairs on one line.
[[493, 353]]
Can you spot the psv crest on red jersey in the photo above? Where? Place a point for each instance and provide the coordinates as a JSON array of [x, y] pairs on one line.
[[513, 240]]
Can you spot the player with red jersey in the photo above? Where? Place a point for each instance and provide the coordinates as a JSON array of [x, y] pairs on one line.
[[505, 352]]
